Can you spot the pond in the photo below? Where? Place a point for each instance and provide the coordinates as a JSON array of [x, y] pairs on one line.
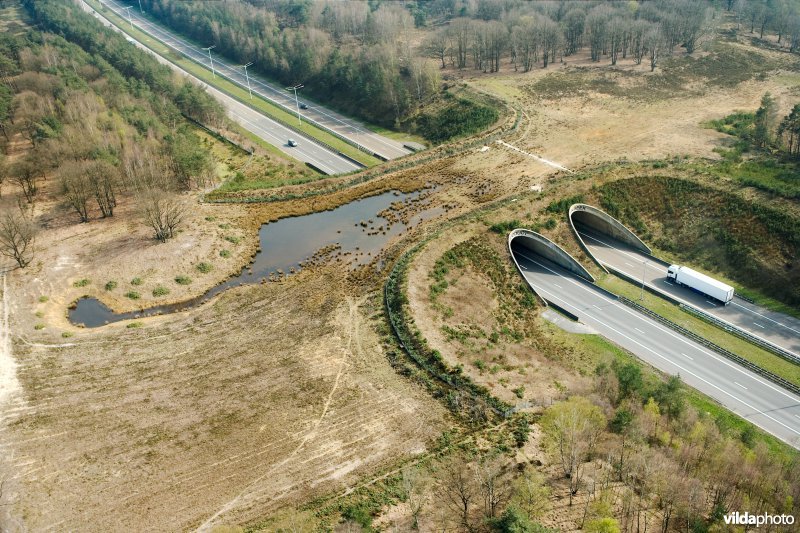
[[352, 234]]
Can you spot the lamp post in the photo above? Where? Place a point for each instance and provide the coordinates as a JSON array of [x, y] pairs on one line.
[[140, 7], [248, 79], [644, 272], [296, 102], [128, 9], [210, 59]]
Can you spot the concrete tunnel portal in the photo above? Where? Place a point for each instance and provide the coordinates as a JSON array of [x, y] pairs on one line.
[[533, 244], [585, 218]]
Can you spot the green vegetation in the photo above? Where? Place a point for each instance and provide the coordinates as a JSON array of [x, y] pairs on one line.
[[183, 280], [43, 299], [66, 334], [204, 268], [134, 325], [111, 285], [749, 242], [233, 239], [160, 291], [133, 295], [763, 358], [38, 326], [225, 253], [136, 281], [457, 119], [82, 283]]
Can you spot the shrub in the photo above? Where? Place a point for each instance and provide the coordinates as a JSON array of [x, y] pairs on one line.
[[160, 291], [66, 334], [505, 227], [136, 281], [204, 268], [38, 326], [134, 325], [111, 285], [233, 239], [225, 253], [82, 282], [133, 295], [460, 118], [183, 280], [43, 299]]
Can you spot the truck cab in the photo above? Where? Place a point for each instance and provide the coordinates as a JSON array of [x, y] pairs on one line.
[[672, 271]]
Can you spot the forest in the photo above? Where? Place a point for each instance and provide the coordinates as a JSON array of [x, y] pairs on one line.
[[103, 124], [369, 58]]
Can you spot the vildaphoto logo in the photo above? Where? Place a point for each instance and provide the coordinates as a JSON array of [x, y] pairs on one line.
[[758, 520]]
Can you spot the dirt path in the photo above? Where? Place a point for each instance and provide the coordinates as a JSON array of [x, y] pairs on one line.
[[8, 366]]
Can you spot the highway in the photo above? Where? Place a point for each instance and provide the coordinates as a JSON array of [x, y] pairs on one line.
[[276, 134], [776, 328], [324, 118], [766, 405]]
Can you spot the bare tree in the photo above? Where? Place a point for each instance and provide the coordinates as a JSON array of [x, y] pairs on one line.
[[161, 210], [23, 173], [458, 488], [438, 46], [496, 492], [104, 179], [654, 42], [76, 187], [17, 234], [415, 484], [530, 493]]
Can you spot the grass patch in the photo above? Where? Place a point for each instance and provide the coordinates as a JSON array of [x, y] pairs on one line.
[[225, 253], [134, 325], [136, 281], [133, 295], [66, 334], [183, 280], [457, 119], [204, 268], [233, 239], [672, 312], [160, 291], [38, 326], [43, 299], [82, 282], [111, 285]]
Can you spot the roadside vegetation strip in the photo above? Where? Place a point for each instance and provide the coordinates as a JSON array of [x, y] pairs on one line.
[[708, 344], [741, 334], [233, 90], [672, 312], [459, 147]]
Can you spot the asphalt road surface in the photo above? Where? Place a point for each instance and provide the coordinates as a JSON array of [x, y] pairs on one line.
[[776, 328], [766, 405], [325, 118], [276, 134]]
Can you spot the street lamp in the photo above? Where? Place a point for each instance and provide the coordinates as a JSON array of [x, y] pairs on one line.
[[140, 7], [644, 272], [128, 9], [210, 59], [298, 86], [248, 79]]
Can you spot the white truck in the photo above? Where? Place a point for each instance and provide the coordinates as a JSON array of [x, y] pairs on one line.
[[682, 275]]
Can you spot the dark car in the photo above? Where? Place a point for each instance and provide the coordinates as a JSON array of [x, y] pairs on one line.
[[303, 106]]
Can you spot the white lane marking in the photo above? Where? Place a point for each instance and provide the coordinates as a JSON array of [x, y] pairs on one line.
[[557, 285], [759, 325], [687, 356], [742, 386], [710, 302], [637, 329], [563, 303], [596, 307], [634, 256], [630, 265], [797, 416], [765, 317], [669, 283], [681, 338]]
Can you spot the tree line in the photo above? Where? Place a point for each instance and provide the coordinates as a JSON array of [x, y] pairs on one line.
[[72, 117]]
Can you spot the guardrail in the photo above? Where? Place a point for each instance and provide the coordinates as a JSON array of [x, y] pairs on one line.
[[711, 346], [742, 334]]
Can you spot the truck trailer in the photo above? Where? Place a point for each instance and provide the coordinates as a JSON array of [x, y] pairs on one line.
[[685, 276]]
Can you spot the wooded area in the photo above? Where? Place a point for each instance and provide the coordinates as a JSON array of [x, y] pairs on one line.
[[103, 119]]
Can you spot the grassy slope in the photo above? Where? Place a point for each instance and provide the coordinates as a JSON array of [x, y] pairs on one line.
[[234, 90]]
